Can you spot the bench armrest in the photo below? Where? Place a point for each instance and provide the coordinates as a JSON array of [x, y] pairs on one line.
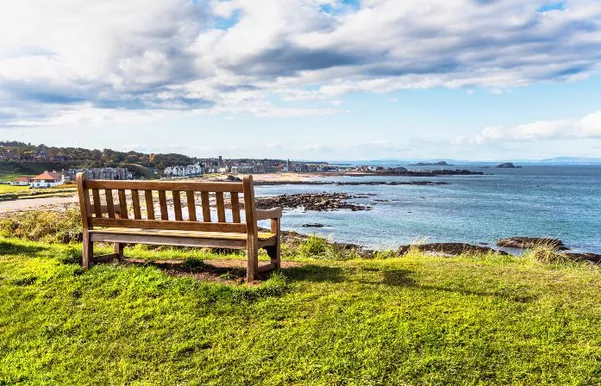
[[269, 214]]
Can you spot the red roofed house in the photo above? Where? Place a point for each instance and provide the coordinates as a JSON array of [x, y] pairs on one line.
[[47, 180], [21, 181]]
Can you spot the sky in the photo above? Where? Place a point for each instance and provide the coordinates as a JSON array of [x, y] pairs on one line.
[[305, 79]]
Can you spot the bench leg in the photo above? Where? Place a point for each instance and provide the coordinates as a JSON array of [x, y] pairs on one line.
[[252, 264], [274, 254], [88, 252], [119, 250], [274, 251]]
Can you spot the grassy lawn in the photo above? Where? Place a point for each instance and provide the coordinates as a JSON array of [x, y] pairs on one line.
[[411, 320], [12, 189]]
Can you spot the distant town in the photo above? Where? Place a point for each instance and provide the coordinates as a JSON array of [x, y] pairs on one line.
[[44, 167]]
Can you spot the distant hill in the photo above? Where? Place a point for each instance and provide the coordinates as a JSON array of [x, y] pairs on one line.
[[22, 158], [572, 161]]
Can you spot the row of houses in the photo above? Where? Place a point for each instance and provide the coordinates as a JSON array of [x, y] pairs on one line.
[[100, 174], [54, 178], [184, 171]]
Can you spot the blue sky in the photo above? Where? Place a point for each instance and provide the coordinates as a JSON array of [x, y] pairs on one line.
[[306, 79]]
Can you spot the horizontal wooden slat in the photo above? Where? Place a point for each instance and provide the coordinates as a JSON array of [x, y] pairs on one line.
[[166, 185], [173, 225], [173, 233], [166, 240]]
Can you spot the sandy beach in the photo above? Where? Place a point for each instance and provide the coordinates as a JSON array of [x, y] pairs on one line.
[[51, 203]]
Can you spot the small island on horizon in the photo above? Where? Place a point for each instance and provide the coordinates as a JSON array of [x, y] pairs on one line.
[[439, 163]]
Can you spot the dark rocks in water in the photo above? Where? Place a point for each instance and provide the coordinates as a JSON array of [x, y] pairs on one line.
[[351, 183], [532, 242], [451, 249], [433, 173], [584, 256], [316, 225], [231, 178], [320, 202], [507, 165]]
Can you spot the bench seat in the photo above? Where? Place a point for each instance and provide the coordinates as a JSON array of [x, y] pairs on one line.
[[162, 236], [263, 236]]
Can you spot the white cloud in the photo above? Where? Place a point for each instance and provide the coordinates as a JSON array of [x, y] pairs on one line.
[[268, 58], [586, 127]]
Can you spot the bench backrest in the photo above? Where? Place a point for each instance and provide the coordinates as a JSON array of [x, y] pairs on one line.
[[172, 205]]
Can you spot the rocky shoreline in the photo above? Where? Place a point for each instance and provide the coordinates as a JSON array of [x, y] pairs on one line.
[[448, 249], [319, 202]]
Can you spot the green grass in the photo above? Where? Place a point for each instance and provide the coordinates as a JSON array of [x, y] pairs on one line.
[[12, 189], [486, 320], [10, 193]]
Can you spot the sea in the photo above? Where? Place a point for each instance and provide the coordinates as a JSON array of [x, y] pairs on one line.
[[537, 200]]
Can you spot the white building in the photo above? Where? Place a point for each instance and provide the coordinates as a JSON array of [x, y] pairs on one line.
[[47, 180], [184, 171], [21, 181]]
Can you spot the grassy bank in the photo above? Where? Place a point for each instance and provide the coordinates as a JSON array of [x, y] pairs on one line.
[[411, 320], [9, 193]]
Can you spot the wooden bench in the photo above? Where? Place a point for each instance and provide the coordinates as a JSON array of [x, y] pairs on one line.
[[211, 214]]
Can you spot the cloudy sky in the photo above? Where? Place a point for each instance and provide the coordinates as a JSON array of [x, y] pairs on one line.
[[305, 79]]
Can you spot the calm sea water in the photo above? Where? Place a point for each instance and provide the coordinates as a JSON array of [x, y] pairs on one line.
[[554, 201]]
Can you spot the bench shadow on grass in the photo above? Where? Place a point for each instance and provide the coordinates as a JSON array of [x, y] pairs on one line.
[[392, 278], [315, 273], [199, 269], [8, 248], [400, 277], [235, 271]]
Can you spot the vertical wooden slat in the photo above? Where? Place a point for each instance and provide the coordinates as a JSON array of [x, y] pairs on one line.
[[220, 207], [110, 204], [163, 205], [122, 204], [84, 200], [177, 205], [135, 197], [252, 265], [84, 205], [206, 207], [191, 206], [97, 203], [149, 204], [235, 207]]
